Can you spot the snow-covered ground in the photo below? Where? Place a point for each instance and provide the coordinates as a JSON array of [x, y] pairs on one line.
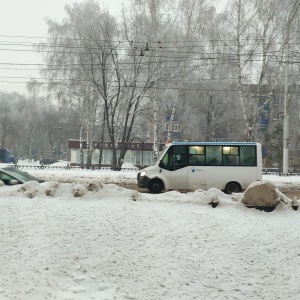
[[115, 243]]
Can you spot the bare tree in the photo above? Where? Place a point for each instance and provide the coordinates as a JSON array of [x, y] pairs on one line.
[[6, 118], [116, 70], [67, 52], [152, 19], [241, 16]]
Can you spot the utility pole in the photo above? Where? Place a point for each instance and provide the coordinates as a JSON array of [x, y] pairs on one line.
[[156, 128], [286, 118], [154, 84], [285, 159]]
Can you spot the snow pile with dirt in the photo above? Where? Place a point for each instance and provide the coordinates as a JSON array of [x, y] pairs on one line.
[[108, 242]]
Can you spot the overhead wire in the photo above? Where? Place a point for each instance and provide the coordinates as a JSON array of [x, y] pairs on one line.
[[208, 56], [126, 52], [175, 88], [156, 41], [151, 46]]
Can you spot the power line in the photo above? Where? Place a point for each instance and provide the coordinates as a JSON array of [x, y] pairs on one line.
[[167, 88], [145, 41], [143, 45], [167, 79], [124, 50], [179, 60], [128, 50], [223, 59]]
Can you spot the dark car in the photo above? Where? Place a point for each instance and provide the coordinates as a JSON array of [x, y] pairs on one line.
[[12, 176], [47, 161]]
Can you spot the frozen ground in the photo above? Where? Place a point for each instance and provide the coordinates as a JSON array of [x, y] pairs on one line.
[[115, 243]]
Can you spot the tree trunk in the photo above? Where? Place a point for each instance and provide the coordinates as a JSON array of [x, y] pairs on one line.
[[156, 126], [101, 141], [81, 148]]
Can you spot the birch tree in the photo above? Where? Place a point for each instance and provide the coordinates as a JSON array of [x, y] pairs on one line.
[[29, 123], [115, 69], [153, 18], [269, 30], [67, 49], [258, 28], [241, 16], [6, 118]]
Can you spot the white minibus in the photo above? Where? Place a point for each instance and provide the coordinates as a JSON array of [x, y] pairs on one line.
[[228, 166]]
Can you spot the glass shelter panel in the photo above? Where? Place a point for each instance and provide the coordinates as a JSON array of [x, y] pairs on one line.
[[148, 158], [106, 156], [95, 157]]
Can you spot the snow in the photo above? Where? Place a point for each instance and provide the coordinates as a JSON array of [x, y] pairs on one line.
[[129, 166], [116, 243], [60, 163]]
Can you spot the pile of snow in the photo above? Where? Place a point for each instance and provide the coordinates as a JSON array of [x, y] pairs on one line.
[[116, 243], [266, 194], [51, 187], [28, 162], [262, 193], [30, 189], [60, 163], [80, 187], [129, 166]]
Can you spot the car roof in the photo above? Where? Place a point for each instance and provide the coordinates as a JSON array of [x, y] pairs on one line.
[[19, 174]]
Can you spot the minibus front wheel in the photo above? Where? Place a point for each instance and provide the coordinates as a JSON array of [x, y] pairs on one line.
[[232, 187], [155, 186]]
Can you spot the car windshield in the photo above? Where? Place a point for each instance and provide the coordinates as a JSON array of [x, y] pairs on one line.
[[23, 176]]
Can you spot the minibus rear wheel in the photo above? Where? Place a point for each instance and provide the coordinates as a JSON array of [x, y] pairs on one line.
[[155, 186], [232, 187]]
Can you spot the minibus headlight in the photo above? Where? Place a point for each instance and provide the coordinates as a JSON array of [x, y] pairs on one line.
[[143, 173]]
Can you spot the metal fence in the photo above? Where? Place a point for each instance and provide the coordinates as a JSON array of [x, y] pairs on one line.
[[275, 171], [74, 168], [77, 168]]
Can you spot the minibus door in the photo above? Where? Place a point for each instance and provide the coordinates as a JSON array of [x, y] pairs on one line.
[[174, 168], [197, 178], [176, 179]]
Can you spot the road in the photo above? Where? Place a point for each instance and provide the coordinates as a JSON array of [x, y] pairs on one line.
[[288, 190]]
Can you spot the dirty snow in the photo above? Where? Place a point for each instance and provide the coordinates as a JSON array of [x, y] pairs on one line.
[[108, 242]]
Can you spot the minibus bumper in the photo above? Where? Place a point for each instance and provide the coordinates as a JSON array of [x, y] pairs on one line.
[[143, 181]]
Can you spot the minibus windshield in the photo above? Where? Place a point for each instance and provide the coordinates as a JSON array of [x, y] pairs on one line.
[[161, 154]]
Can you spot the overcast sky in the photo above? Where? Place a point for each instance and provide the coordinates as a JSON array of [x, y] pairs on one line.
[[23, 21], [20, 19]]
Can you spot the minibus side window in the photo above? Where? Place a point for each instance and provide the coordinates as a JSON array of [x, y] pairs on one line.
[[230, 155], [196, 156], [213, 155], [179, 157], [175, 158], [248, 156]]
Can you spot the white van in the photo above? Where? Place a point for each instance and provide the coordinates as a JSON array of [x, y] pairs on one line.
[[228, 166]]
